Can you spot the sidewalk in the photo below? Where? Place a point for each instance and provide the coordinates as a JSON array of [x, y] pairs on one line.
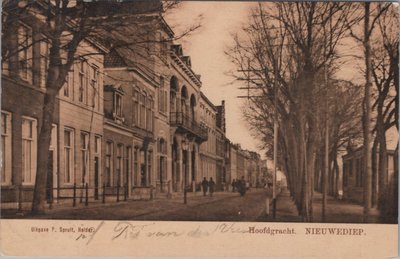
[[341, 211], [286, 210], [338, 211], [122, 209]]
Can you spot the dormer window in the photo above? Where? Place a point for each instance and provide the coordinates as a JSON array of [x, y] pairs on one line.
[[118, 103], [82, 82], [25, 52]]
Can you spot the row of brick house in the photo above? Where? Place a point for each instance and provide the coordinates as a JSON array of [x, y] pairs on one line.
[[138, 123]]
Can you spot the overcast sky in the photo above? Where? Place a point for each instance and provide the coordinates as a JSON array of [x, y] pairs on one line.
[[206, 48]]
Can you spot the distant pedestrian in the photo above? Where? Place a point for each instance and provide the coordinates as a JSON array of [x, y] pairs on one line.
[[204, 184], [211, 185], [242, 186], [233, 185]]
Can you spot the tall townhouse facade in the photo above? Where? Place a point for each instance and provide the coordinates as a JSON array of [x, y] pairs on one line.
[[212, 151], [151, 128], [243, 163], [80, 127], [186, 133], [253, 168], [23, 89], [222, 152], [136, 125], [231, 162], [77, 118], [129, 125]]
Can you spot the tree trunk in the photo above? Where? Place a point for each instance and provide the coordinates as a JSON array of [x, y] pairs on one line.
[[336, 176], [39, 194], [367, 116], [383, 179], [375, 174]]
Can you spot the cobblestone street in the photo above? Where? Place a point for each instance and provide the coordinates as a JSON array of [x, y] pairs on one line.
[[223, 206]]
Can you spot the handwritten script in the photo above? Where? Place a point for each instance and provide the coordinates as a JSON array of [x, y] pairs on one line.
[[124, 230]]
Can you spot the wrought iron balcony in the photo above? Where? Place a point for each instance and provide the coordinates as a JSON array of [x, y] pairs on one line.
[[187, 124]]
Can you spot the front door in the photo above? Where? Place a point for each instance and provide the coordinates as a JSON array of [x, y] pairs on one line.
[[49, 185], [96, 178]]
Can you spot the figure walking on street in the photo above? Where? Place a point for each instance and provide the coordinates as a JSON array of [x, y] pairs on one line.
[[242, 186], [204, 184], [211, 185], [233, 185]]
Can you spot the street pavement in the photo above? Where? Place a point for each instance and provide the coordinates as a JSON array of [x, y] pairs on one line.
[[223, 206], [339, 211]]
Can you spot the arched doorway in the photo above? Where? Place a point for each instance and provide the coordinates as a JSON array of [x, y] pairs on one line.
[[162, 163], [193, 157], [175, 168], [192, 107], [184, 101], [172, 94]]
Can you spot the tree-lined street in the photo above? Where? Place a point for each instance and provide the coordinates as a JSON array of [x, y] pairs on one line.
[[100, 101]]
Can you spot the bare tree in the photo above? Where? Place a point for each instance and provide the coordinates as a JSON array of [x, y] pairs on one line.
[[283, 46], [369, 18], [385, 59]]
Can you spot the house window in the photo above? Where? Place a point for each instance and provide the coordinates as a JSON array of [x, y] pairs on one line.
[[162, 146], [29, 142], [149, 119], [44, 61], [97, 145], [69, 83], [162, 97], [69, 156], [345, 173], [359, 172], [25, 52], [108, 164], [128, 165], [6, 136], [164, 50], [149, 163], [85, 156], [94, 81], [118, 104], [162, 163], [135, 167], [135, 107], [82, 82], [142, 111], [4, 61], [119, 163]]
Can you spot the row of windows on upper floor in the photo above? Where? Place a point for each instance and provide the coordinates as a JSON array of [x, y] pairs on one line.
[[83, 82], [33, 66], [28, 57], [141, 110]]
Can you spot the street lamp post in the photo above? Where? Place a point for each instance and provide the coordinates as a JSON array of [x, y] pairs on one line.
[[275, 138], [185, 147]]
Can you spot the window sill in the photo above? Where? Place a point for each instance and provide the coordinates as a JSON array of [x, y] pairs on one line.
[[28, 184]]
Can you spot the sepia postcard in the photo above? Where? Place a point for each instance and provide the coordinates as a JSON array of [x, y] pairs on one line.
[[150, 128]]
